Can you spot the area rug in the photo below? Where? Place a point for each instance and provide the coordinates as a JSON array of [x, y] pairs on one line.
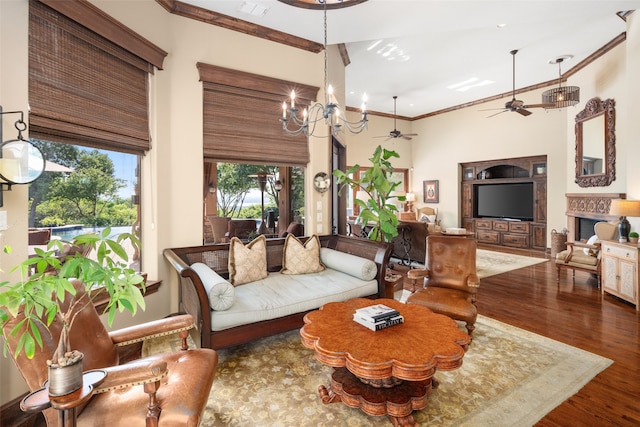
[[490, 263], [509, 377]]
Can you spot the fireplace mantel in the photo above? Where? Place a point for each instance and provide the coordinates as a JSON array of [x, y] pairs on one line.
[[589, 205]]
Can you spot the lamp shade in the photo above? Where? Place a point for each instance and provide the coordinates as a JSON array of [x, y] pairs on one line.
[[411, 197], [623, 207]]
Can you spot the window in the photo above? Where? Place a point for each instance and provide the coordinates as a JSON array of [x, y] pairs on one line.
[[271, 195], [85, 190]]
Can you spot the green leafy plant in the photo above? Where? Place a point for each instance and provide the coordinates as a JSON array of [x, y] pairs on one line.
[[39, 296], [634, 234], [375, 181]]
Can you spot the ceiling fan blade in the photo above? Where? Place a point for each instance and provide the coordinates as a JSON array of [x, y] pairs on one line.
[[523, 112], [491, 109], [410, 134], [499, 112], [538, 106], [408, 138]]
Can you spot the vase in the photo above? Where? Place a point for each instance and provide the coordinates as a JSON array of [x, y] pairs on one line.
[[65, 379]]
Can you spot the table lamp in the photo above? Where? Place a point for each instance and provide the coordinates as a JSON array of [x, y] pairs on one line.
[[410, 198], [624, 208]]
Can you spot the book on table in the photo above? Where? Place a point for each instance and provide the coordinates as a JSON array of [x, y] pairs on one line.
[[376, 312], [381, 324]]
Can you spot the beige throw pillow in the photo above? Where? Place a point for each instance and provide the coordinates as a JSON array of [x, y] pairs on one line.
[[298, 258], [247, 263]]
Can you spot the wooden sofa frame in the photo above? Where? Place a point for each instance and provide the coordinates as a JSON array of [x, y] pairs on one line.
[[193, 298]]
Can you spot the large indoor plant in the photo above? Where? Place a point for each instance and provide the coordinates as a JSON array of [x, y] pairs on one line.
[[49, 284], [378, 210]]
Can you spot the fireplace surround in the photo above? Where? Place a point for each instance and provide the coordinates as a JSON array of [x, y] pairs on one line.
[[584, 209]]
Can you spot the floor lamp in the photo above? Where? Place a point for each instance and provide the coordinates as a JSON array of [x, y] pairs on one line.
[[624, 208]]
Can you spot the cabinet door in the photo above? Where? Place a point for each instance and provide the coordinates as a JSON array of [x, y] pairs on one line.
[[467, 208], [541, 202], [609, 273], [627, 279]]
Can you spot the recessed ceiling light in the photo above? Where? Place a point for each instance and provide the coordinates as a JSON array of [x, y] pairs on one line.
[[501, 25]]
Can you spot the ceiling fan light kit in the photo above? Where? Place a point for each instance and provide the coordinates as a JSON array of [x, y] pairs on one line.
[[561, 97]]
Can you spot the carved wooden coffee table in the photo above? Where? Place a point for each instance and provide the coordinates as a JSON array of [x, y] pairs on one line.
[[386, 372]]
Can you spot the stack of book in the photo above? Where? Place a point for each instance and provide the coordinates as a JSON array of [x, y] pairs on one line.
[[378, 316]]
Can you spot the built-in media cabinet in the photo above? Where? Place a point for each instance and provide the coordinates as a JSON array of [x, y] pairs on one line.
[[505, 201]]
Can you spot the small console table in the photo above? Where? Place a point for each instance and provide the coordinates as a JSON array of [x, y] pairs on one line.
[[66, 405]]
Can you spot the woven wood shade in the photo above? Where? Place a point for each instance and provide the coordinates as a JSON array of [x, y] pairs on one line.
[[84, 89], [240, 122]]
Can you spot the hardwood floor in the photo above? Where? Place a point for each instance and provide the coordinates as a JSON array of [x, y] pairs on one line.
[[576, 314]]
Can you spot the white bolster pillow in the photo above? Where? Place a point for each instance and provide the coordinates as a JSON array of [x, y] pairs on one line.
[[220, 292], [353, 265]]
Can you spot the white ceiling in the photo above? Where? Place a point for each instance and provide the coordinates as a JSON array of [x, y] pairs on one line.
[[446, 42]]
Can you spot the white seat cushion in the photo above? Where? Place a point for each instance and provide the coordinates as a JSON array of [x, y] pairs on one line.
[[279, 295]]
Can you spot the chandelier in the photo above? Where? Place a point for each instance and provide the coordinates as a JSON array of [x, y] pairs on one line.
[[330, 113], [561, 97]]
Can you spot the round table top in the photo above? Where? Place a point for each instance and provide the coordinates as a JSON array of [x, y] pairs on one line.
[[412, 351]]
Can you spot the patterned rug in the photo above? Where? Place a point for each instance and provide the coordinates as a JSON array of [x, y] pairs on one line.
[[510, 377]]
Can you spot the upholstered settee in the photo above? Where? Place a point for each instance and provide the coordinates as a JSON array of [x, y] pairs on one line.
[[229, 312]]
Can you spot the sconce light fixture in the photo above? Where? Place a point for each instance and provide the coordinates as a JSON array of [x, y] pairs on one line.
[[21, 162], [278, 185]]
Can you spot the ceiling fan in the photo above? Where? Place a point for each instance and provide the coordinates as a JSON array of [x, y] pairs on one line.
[[515, 104], [395, 133]]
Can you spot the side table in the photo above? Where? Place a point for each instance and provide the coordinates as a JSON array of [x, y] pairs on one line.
[[66, 405], [393, 281]]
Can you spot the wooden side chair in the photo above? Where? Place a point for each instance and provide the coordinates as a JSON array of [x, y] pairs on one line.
[[449, 279], [586, 256]]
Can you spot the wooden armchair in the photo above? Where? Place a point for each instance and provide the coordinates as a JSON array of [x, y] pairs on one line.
[[586, 256], [449, 279], [164, 389]]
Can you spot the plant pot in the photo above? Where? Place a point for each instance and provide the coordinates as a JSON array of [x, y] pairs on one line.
[[633, 240], [66, 379]]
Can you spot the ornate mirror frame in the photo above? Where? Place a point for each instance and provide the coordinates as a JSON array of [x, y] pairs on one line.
[[595, 109]]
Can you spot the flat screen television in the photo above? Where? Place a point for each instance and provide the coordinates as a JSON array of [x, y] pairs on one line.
[[508, 201]]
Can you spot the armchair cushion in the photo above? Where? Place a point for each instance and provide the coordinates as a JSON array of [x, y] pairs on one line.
[[247, 263]]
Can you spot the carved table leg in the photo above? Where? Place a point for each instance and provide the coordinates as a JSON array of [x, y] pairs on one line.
[[327, 395], [407, 421]]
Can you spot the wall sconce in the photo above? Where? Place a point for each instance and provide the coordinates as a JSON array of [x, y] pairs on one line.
[[21, 162], [278, 185]]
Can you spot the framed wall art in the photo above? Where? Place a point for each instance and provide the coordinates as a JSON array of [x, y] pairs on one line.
[[430, 189]]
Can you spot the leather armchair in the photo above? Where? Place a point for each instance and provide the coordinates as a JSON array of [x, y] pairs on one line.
[[449, 279], [586, 256], [160, 390]]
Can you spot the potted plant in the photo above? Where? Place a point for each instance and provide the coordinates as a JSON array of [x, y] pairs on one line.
[[47, 291], [633, 237], [375, 182]]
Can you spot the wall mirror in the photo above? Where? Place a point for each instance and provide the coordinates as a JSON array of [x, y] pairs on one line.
[[596, 144]]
